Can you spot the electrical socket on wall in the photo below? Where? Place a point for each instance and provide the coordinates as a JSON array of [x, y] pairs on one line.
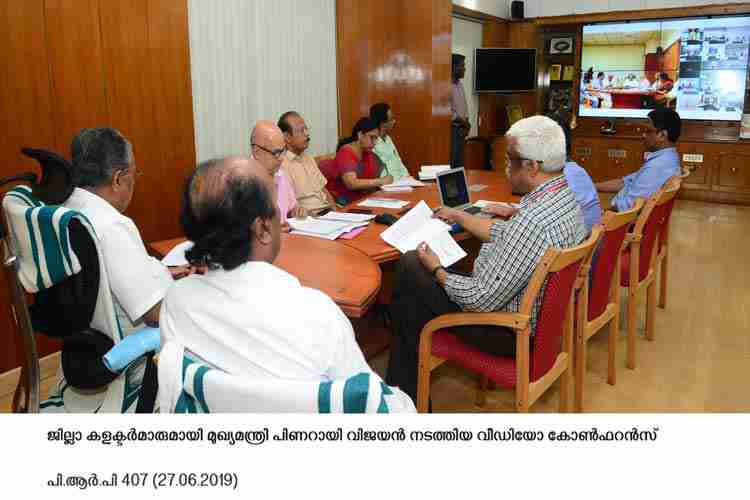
[[692, 158]]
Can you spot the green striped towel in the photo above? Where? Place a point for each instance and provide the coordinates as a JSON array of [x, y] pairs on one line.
[[189, 386]]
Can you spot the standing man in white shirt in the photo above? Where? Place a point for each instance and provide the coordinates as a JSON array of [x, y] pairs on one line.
[[246, 316], [460, 125], [104, 172]]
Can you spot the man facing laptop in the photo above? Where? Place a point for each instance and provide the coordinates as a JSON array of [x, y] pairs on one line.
[[549, 215]]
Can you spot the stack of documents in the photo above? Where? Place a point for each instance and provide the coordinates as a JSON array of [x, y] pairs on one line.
[[326, 228], [429, 172], [382, 203], [417, 226]]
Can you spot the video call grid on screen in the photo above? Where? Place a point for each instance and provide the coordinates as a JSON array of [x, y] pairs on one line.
[[705, 61]]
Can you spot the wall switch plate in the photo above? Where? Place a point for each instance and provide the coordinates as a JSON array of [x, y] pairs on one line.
[[692, 158]]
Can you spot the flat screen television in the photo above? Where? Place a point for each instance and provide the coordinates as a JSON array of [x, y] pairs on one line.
[[696, 66], [502, 70]]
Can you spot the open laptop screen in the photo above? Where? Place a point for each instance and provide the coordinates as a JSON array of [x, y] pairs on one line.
[[452, 187]]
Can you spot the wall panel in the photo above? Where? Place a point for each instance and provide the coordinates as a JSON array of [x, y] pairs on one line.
[[76, 69], [398, 52], [70, 64]]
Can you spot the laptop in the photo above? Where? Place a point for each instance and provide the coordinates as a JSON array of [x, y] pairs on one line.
[[454, 191]]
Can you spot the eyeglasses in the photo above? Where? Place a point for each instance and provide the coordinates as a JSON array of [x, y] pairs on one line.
[[303, 130], [276, 153], [509, 160]]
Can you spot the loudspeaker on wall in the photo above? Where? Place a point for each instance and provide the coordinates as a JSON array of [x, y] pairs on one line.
[[516, 10]]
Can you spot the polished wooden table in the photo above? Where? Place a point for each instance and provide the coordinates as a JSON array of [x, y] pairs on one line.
[[343, 273], [369, 241]]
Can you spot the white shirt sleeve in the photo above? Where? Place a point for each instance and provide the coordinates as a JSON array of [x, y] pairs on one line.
[[137, 280]]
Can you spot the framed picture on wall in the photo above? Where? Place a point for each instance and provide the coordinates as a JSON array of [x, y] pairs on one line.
[[561, 45], [568, 73]]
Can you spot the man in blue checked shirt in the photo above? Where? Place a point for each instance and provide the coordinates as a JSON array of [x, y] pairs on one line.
[[663, 161]]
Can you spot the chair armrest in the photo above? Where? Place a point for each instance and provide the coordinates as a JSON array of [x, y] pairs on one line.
[[515, 321]]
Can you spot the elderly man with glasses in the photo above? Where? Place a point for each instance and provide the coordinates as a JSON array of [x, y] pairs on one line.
[[268, 148], [309, 183], [548, 216]]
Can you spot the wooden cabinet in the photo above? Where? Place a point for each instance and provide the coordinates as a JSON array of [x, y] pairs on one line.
[[733, 171], [700, 159]]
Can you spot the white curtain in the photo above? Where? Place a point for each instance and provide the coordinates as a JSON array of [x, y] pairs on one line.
[[256, 59]]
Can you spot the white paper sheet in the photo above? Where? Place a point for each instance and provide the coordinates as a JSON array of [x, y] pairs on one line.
[[176, 256], [382, 203], [484, 203], [397, 189], [328, 229], [347, 217], [429, 172], [405, 182], [418, 226]]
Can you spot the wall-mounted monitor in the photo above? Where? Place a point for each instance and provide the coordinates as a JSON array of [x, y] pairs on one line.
[[696, 66], [503, 70]]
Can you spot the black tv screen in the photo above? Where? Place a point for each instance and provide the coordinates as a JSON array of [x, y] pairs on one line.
[[504, 70]]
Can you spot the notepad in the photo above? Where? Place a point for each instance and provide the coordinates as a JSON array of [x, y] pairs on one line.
[[417, 226]]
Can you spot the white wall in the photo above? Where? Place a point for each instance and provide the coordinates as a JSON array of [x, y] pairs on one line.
[[467, 36], [257, 59], [600, 57]]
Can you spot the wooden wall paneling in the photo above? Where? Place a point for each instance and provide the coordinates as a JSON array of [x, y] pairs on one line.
[[440, 41], [397, 52], [173, 108], [134, 86], [76, 69], [25, 101]]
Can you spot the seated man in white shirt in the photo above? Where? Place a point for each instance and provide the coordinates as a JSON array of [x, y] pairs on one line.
[[104, 172], [246, 316]]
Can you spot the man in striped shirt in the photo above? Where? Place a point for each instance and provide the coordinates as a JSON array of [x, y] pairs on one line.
[[548, 216]]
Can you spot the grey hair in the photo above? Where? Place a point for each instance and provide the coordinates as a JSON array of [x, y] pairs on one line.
[[97, 154], [541, 139]]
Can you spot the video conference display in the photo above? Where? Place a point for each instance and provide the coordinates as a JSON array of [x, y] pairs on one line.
[[697, 67]]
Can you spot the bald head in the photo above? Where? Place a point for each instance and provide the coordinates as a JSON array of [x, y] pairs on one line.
[[229, 212], [268, 145]]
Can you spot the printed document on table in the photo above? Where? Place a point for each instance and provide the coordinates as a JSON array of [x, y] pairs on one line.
[[176, 256], [405, 182], [418, 226], [382, 203], [327, 229], [347, 217]]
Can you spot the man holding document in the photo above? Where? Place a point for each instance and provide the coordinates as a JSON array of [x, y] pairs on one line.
[[548, 216]]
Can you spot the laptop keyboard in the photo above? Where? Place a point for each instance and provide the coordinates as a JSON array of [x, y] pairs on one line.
[[472, 210]]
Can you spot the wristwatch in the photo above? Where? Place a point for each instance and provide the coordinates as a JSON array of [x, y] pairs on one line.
[[434, 271]]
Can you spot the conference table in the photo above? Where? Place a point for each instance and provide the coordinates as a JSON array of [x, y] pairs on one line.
[[349, 271], [343, 273]]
